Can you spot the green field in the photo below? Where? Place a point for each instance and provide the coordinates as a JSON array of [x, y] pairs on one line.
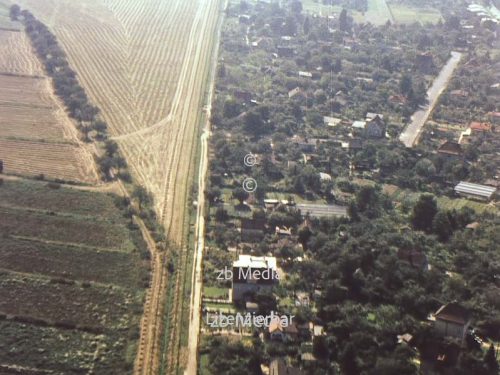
[[446, 203], [72, 279], [316, 6], [378, 12], [407, 14], [214, 292]]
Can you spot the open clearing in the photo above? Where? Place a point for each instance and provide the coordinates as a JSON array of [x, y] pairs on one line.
[[72, 281], [36, 135], [379, 12], [407, 14]]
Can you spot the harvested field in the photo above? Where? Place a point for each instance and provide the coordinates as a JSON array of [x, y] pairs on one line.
[[36, 135], [17, 55], [53, 160]]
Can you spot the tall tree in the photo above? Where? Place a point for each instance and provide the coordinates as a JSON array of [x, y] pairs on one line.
[[14, 13], [441, 225], [240, 194], [490, 360], [343, 21], [423, 212]]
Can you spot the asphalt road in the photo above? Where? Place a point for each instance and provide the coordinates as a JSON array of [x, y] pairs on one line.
[[412, 132]]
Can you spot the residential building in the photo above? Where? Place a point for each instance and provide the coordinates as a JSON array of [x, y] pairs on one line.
[[283, 333], [480, 127], [359, 125], [371, 115], [375, 128], [452, 320], [294, 92], [252, 274], [331, 121], [459, 94], [279, 367]]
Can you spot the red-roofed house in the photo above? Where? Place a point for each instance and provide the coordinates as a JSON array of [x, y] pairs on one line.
[[480, 127]]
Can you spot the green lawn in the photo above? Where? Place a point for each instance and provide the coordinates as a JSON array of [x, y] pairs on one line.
[[204, 365], [316, 6], [223, 307], [378, 12], [214, 292], [407, 14], [444, 202]]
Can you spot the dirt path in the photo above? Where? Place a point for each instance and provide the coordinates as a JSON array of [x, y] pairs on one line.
[[413, 131], [108, 187], [197, 276]]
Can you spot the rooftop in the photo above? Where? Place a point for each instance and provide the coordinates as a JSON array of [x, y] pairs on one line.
[[480, 126], [475, 189], [359, 124], [454, 313], [450, 148], [253, 262]]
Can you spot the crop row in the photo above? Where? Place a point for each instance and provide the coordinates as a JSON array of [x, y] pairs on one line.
[[25, 90], [28, 194], [64, 229], [68, 304], [59, 350], [56, 161], [70, 262], [16, 54]]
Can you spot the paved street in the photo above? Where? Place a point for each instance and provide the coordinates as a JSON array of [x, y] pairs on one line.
[[410, 135]]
